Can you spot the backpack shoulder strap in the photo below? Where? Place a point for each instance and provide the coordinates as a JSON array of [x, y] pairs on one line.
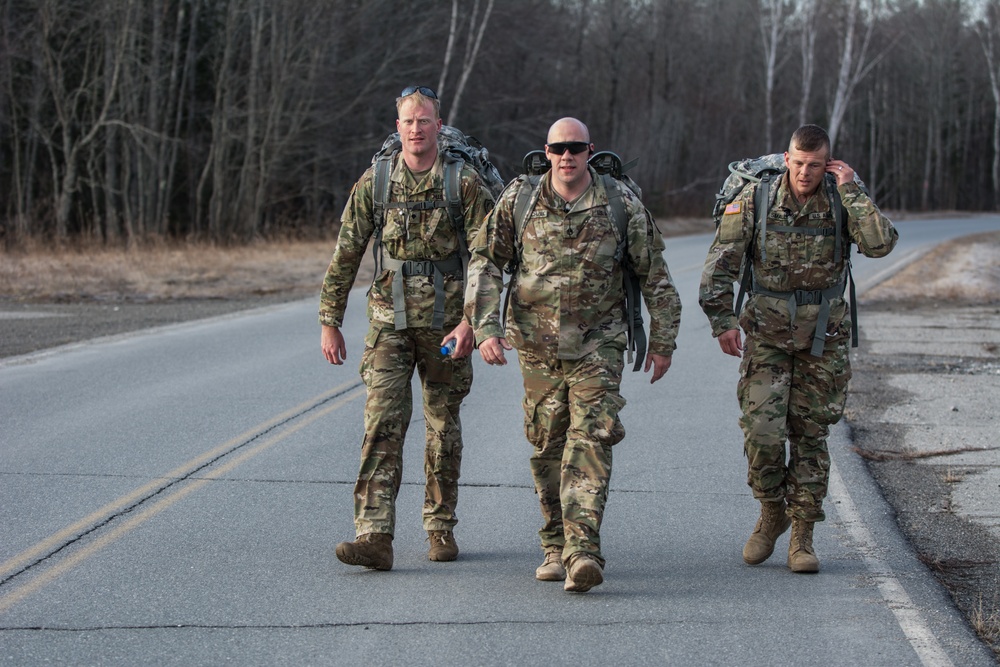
[[616, 205], [761, 207], [380, 195], [633, 302], [842, 245], [453, 163], [528, 188], [524, 202]]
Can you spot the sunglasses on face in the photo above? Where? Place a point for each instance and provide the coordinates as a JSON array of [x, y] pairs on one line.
[[423, 90], [574, 147]]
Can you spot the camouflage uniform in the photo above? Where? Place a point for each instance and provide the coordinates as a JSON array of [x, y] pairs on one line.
[[390, 356], [566, 319], [784, 391]]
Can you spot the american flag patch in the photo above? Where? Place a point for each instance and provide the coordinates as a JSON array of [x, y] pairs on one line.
[[732, 208]]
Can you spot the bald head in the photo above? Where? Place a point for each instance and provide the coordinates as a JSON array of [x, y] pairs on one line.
[[568, 129]]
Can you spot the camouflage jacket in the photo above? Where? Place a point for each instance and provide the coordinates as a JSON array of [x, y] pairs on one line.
[[567, 294], [792, 261], [427, 234]]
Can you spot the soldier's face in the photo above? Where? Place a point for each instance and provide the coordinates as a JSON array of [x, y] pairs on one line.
[[569, 168], [805, 171], [418, 127]]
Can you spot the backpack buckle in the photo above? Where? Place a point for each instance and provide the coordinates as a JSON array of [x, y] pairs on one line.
[[418, 268], [805, 297]]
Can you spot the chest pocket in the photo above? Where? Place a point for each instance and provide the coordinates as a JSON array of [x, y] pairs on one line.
[[777, 251], [596, 241], [413, 220]]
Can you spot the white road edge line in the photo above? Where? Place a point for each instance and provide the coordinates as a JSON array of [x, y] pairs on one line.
[[909, 617]]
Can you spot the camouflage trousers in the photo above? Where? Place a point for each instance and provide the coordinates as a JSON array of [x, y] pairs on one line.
[[793, 396], [387, 369], [571, 418]]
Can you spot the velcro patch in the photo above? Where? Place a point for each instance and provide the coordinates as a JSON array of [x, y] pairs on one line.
[[734, 207]]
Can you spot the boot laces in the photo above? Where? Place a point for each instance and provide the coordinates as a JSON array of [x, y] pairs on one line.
[[438, 537]]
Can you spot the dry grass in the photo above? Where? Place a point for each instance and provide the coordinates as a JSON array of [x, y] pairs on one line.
[[168, 271], [164, 271], [953, 476], [965, 270], [986, 621]]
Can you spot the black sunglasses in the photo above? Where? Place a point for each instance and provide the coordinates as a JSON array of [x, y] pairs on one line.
[[423, 90], [574, 147]]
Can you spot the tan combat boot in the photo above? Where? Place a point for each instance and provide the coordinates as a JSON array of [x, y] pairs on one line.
[[371, 550], [443, 545], [772, 523], [583, 573], [801, 557], [551, 568]]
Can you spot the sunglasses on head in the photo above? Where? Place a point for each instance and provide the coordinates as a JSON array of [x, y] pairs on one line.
[[574, 147], [423, 90]]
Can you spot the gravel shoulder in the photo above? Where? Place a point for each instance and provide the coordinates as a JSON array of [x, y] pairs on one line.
[[923, 411]]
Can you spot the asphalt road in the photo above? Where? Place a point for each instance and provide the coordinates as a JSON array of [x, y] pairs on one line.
[[173, 497]]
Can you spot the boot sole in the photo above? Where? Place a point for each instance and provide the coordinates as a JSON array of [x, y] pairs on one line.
[[443, 558], [361, 561], [804, 569], [585, 579]]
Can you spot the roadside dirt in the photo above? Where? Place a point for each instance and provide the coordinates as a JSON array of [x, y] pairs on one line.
[[923, 409]]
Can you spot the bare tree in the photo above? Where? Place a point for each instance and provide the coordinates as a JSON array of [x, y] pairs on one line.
[[772, 26], [988, 31], [807, 12], [854, 65], [81, 101], [449, 47], [232, 120], [474, 40]]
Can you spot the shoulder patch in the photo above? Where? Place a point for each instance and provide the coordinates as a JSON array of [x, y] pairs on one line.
[[734, 207]]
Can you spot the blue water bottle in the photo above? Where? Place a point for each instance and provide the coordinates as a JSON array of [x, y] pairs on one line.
[[448, 347]]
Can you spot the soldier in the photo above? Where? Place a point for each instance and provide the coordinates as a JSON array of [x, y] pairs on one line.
[[795, 364], [421, 246], [566, 319]]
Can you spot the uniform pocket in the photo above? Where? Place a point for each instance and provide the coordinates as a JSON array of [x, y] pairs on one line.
[[731, 227], [597, 243]]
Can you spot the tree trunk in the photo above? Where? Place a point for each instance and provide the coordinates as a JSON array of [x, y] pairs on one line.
[[470, 57]]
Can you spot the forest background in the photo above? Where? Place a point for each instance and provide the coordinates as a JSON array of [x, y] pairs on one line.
[[129, 121]]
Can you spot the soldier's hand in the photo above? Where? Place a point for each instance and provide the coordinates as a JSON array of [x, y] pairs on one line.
[[465, 340], [841, 170], [332, 343], [660, 365], [491, 350], [730, 342]]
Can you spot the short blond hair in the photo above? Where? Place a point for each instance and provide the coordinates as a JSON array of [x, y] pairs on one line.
[[420, 99]]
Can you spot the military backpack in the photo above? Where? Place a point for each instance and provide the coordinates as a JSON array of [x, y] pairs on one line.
[[456, 149], [764, 172], [610, 169]]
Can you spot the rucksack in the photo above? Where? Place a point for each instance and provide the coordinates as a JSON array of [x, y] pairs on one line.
[[765, 172], [610, 168], [456, 148]]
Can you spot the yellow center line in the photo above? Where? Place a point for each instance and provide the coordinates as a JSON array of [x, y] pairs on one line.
[[159, 505]]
